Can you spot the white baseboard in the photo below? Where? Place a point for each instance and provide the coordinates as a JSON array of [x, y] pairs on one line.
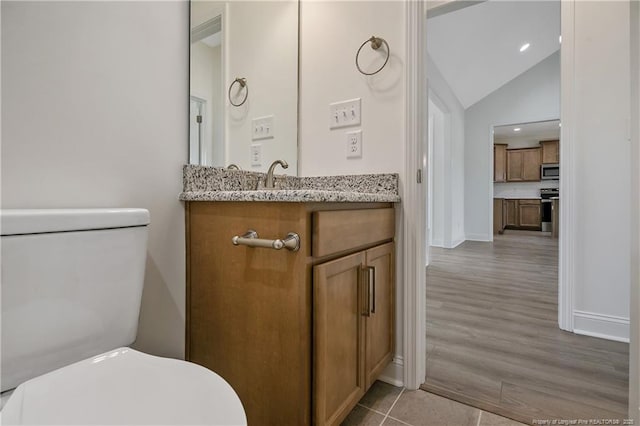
[[602, 326], [394, 373], [437, 243], [479, 237], [456, 243]]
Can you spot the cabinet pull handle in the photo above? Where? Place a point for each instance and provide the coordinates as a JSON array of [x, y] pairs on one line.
[[291, 242], [372, 289], [364, 291]]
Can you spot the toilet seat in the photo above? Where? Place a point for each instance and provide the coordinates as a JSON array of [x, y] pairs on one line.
[[125, 386]]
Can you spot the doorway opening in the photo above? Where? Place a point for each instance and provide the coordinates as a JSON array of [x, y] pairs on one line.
[[493, 339]]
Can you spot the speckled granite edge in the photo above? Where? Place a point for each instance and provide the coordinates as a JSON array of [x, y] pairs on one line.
[[203, 183], [291, 196]]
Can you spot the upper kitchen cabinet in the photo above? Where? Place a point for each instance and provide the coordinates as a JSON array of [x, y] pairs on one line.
[[523, 165], [500, 162], [550, 151]]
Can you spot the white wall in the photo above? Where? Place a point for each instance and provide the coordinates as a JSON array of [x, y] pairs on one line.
[[532, 96], [597, 127], [94, 113], [452, 168], [262, 40], [634, 350], [330, 34]]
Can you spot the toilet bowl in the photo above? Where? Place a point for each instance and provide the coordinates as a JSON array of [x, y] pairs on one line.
[[71, 289], [125, 387]]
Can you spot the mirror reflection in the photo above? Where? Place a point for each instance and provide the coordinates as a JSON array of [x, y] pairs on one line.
[[244, 84]]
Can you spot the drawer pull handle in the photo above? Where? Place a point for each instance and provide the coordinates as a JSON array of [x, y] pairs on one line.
[[250, 238], [372, 289]]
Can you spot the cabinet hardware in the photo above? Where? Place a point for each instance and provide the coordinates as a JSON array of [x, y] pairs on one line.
[[365, 290], [372, 289], [250, 238]]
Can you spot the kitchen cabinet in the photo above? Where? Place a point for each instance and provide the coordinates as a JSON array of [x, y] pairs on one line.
[[550, 151], [521, 214], [511, 214], [529, 214], [500, 162], [498, 215], [353, 333], [523, 165], [299, 335]]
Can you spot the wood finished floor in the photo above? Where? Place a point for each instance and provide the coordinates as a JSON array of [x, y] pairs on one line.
[[493, 341]]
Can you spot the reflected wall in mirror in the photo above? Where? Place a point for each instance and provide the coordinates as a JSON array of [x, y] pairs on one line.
[[256, 41]]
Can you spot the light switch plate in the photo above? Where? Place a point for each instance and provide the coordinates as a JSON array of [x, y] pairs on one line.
[[263, 128], [344, 113], [354, 144], [256, 154]]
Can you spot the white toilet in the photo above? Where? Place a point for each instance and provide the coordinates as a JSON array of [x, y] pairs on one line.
[[71, 288]]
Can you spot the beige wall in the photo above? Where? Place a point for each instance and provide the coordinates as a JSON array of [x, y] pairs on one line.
[[94, 114]]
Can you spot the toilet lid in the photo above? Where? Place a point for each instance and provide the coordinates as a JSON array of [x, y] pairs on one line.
[[125, 386]]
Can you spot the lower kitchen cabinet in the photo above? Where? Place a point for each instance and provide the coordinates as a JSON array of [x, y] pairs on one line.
[[522, 214], [529, 214], [353, 329]]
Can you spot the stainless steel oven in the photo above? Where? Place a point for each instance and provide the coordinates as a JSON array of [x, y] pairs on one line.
[[546, 194], [550, 172]]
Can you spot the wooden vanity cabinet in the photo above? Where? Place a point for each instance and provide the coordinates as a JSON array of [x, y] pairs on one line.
[[288, 330], [353, 329]]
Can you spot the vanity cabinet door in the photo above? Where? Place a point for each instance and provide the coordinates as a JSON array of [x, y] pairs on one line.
[[339, 379], [379, 324]]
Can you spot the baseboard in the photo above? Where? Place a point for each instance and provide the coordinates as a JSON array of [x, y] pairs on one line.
[[394, 373], [437, 243], [478, 237], [456, 243], [602, 326]]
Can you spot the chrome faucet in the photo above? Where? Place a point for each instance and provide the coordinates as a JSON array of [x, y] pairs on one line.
[[269, 181], [233, 166]]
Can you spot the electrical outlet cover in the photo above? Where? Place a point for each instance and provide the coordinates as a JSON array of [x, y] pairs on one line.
[[256, 154], [354, 144]]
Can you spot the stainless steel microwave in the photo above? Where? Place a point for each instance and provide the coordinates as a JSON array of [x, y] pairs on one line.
[[550, 172]]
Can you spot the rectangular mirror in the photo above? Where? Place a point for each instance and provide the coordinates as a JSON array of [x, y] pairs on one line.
[[243, 104]]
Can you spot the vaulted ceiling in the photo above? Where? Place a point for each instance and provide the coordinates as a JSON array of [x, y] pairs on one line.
[[477, 48]]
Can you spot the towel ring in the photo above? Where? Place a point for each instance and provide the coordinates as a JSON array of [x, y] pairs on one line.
[[243, 83], [376, 42]]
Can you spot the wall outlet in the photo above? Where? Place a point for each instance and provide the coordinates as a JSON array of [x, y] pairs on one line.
[[344, 114], [354, 144], [256, 154], [263, 128]]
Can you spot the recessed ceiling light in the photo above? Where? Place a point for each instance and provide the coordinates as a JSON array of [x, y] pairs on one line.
[[517, 129], [524, 47]]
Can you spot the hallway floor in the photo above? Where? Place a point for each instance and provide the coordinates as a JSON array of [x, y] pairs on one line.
[[493, 340]]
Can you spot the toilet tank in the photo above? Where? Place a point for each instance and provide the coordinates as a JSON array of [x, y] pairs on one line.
[[71, 286]]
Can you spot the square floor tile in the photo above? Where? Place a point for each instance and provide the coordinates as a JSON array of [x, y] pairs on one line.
[[380, 396], [361, 416], [425, 409]]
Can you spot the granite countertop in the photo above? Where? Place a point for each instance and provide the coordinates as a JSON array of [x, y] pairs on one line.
[[291, 196], [518, 198], [203, 183]]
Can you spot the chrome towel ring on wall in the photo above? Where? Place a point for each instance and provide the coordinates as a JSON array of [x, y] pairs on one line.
[[376, 42], [243, 85]]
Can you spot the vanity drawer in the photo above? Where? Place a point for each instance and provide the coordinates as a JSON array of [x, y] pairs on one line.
[[341, 230]]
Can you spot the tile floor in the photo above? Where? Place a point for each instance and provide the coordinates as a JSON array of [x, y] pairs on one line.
[[389, 405]]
